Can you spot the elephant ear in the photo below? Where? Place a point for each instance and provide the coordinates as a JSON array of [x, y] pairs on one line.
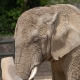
[[71, 41], [50, 32], [54, 17], [45, 27], [64, 40], [51, 24]]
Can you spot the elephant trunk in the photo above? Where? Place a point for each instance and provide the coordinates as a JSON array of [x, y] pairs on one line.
[[9, 72]]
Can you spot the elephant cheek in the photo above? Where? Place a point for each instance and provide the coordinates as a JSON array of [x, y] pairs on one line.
[[37, 58]]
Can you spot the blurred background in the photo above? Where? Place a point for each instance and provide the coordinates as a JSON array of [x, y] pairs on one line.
[[10, 10]]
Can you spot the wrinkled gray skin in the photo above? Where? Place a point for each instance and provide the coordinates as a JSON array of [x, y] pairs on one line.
[[36, 42]]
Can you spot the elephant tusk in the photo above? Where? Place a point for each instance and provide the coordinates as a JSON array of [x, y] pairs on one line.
[[33, 73]]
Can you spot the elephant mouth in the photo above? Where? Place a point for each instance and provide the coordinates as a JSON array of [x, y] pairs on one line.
[[37, 60]]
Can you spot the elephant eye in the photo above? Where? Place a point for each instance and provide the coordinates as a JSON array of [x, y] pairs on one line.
[[36, 39]]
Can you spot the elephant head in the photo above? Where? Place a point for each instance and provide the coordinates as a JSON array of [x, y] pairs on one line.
[[32, 45], [35, 33]]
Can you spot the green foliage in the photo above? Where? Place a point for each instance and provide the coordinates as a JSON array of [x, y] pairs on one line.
[[10, 10], [8, 18], [20, 2], [44, 2], [51, 2], [8, 21], [14, 14]]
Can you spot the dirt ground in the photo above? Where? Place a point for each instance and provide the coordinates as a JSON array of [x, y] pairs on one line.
[[44, 72]]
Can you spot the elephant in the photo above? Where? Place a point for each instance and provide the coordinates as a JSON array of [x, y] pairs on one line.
[[49, 33]]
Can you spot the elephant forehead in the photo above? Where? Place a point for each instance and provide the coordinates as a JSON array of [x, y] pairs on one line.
[[43, 29]]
